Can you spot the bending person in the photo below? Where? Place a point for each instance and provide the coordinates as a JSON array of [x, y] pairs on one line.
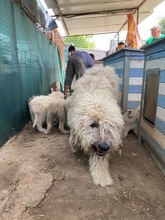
[[77, 63]]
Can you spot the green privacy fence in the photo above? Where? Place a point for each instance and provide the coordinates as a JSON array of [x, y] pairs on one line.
[[29, 64]]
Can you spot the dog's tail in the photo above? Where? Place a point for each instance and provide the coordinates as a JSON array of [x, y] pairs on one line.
[[35, 120]]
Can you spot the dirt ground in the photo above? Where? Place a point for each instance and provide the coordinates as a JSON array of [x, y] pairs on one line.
[[40, 179]]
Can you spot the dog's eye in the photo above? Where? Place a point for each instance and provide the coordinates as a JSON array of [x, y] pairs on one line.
[[94, 125]]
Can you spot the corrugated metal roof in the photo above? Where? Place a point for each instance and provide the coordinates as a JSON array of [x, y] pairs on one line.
[[81, 17]]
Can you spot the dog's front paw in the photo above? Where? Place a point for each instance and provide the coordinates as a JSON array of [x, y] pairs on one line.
[[99, 170], [103, 181], [65, 132], [42, 130], [46, 132], [74, 149]]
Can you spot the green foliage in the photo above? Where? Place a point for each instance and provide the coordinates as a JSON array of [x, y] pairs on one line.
[[162, 25], [81, 41]]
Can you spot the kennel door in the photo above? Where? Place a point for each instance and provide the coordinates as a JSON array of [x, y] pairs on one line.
[[151, 95]]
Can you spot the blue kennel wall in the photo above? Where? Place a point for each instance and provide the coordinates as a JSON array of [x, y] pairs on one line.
[[128, 64], [154, 133]]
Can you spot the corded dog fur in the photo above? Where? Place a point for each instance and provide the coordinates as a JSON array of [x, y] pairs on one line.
[[95, 120]]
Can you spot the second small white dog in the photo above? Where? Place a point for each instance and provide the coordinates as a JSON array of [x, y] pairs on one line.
[[95, 120], [131, 119], [58, 109]]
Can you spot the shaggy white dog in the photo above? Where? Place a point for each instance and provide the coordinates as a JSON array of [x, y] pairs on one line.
[[95, 120], [45, 108], [131, 118]]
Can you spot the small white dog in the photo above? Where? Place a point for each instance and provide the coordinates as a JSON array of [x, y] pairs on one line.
[[45, 108], [95, 120], [58, 109], [131, 119]]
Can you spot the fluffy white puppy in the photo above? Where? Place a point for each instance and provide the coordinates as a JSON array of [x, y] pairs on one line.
[[95, 120], [39, 106], [131, 119]]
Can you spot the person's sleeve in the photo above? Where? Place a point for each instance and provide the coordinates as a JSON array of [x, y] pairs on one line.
[[69, 73]]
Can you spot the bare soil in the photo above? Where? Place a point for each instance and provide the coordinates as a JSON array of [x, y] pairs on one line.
[[40, 179]]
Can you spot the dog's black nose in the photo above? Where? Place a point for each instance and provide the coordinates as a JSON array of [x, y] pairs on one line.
[[103, 147]]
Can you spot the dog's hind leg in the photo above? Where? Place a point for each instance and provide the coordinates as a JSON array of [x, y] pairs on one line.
[[39, 120], [40, 128], [136, 131], [61, 118], [125, 132], [49, 121], [99, 170]]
